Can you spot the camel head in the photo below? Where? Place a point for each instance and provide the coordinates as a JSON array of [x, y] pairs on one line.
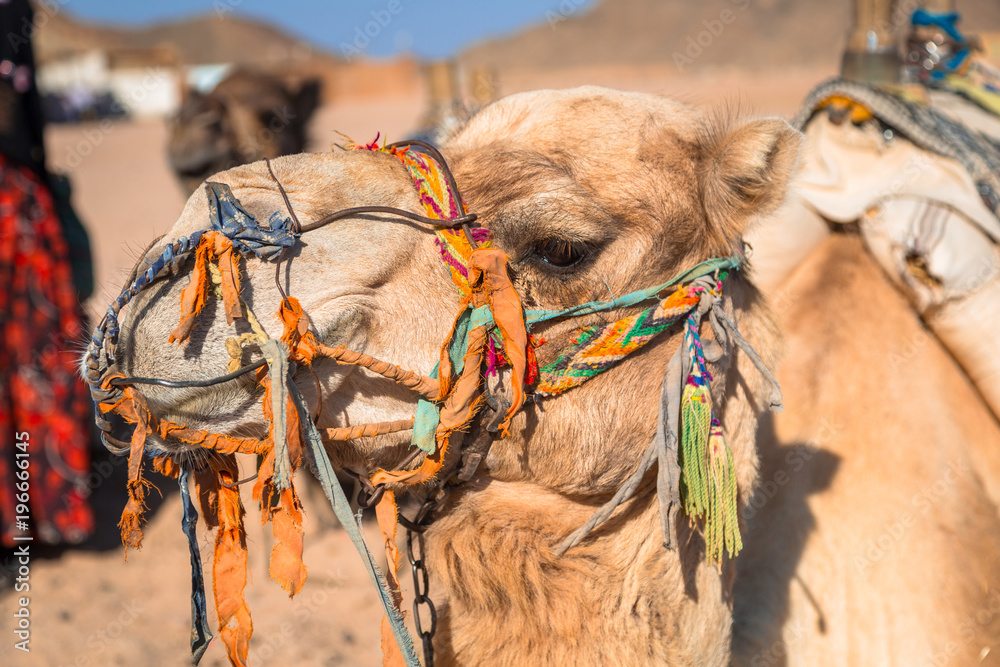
[[592, 194], [246, 117]]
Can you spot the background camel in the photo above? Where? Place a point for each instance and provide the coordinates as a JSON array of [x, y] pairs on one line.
[[246, 117]]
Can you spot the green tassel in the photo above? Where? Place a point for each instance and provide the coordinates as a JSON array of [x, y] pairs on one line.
[[696, 420], [722, 527], [708, 481]]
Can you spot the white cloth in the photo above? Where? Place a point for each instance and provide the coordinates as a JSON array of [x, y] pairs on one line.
[[924, 222]]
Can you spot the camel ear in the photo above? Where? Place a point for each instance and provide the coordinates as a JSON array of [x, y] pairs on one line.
[[746, 174]]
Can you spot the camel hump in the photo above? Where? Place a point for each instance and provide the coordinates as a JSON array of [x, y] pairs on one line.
[[919, 181]]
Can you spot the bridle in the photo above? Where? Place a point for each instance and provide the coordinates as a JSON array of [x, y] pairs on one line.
[[490, 330], [106, 331]]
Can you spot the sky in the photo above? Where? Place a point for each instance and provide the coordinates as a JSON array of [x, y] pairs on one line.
[[374, 28]]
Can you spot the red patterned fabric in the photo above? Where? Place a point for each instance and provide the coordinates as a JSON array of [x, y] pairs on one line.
[[40, 392]]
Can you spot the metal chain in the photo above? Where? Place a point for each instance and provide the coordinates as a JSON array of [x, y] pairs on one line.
[[418, 568], [421, 596]]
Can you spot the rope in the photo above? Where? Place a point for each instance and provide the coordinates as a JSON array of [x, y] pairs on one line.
[[368, 430], [775, 397], [426, 387], [625, 491]]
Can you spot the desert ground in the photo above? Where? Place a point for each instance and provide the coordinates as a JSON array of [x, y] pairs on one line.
[[88, 606]]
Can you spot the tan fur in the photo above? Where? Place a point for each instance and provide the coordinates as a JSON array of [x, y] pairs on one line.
[[651, 187], [871, 499]]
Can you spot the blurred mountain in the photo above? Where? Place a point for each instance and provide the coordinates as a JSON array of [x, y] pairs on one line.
[[224, 37], [745, 34]]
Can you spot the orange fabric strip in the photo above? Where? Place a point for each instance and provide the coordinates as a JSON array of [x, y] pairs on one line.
[[213, 247], [386, 515], [458, 409], [284, 510], [287, 567], [131, 521], [229, 572], [262, 489], [223, 444], [463, 402], [368, 430], [229, 266], [206, 483], [194, 295], [293, 427], [488, 271], [296, 334], [444, 360]]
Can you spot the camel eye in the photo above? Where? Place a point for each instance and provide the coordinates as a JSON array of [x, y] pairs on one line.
[[559, 253]]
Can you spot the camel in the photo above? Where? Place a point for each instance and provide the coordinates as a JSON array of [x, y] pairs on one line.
[[246, 117], [593, 193]]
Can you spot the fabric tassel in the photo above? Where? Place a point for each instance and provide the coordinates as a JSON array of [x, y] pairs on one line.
[[229, 570], [296, 334], [131, 521], [696, 420], [206, 485], [722, 529], [283, 508], [709, 477], [489, 277], [215, 248]]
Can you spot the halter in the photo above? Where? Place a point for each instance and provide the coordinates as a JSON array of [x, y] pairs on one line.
[[490, 331]]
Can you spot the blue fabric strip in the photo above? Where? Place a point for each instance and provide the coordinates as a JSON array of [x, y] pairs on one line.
[[320, 463], [944, 20], [427, 415], [425, 422], [201, 635], [229, 217]]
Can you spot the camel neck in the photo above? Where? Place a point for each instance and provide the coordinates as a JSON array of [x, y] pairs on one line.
[[505, 596]]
